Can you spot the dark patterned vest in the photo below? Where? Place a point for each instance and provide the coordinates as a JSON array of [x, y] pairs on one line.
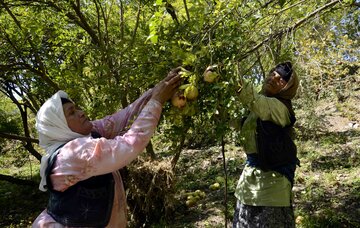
[[88, 203], [276, 149], [274, 143]]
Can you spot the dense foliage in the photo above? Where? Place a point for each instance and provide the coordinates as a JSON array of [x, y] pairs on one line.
[[104, 54]]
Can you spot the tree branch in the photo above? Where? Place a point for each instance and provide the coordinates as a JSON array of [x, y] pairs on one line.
[[187, 11], [78, 19], [122, 23], [215, 24], [289, 7], [9, 87], [38, 60], [18, 137], [289, 29], [136, 25], [85, 25], [98, 19]]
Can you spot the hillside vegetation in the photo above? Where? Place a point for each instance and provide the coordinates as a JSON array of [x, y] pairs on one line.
[[105, 54]]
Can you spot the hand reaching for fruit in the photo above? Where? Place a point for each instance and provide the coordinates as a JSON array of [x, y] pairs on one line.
[[187, 92], [165, 89]]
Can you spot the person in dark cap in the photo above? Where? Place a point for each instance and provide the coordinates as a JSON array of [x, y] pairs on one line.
[[264, 190], [285, 70]]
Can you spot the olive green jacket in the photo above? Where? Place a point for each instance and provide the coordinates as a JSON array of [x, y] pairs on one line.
[[256, 187]]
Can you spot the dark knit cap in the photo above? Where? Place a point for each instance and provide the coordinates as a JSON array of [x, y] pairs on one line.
[[285, 70]]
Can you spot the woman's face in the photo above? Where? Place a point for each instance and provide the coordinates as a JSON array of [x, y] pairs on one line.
[[76, 119], [273, 84]]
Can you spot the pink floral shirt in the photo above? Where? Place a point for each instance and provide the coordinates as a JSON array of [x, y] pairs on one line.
[[125, 135]]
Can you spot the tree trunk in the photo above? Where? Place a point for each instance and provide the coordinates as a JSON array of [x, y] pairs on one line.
[[179, 148], [178, 152], [32, 151]]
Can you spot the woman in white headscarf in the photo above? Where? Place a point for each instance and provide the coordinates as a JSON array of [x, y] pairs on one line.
[[80, 167]]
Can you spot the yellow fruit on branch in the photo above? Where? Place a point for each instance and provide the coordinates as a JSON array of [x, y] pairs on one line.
[[191, 92], [210, 76], [178, 99]]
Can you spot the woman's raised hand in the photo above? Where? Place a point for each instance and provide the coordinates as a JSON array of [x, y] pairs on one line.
[[166, 88]]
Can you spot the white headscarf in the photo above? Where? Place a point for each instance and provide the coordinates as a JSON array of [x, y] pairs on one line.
[[53, 130]]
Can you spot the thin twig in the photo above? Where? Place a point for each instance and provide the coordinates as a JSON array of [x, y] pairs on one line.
[[187, 11], [289, 29], [226, 176]]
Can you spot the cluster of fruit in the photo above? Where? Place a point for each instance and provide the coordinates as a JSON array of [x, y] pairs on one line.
[[189, 91], [193, 197], [186, 92]]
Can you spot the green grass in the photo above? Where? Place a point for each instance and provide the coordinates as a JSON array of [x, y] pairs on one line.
[[326, 190], [20, 205], [327, 184]]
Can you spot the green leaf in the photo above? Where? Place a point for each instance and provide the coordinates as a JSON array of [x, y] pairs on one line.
[[153, 38], [282, 2]]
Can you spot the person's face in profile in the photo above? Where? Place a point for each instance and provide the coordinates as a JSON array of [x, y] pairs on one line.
[[273, 84], [76, 119]]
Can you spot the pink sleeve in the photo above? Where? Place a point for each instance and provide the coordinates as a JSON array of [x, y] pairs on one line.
[[85, 157], [120, 122]]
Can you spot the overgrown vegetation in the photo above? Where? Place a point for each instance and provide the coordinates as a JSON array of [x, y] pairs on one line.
[[112, 51]]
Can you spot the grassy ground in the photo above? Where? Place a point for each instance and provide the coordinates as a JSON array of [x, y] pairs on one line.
[[20, 204], [326, 190], [327, 185]]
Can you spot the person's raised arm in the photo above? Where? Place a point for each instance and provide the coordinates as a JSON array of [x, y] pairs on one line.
[[85, 157], [118, 123]]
